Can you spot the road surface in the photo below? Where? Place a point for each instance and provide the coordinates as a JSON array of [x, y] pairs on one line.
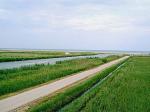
[[21, 99]]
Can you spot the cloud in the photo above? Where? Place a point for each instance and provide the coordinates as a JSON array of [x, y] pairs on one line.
[[57, 22], [85, 15], [92, 17], [96, 15]]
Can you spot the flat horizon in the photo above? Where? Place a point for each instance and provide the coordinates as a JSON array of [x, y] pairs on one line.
[[72, 50], [63, 24]]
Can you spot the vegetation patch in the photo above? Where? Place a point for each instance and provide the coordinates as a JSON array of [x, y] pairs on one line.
[[127, 90], [7, 55], [12, 80], [62, 99]]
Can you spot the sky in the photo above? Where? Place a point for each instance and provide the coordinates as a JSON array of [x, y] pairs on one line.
[[75, 24]]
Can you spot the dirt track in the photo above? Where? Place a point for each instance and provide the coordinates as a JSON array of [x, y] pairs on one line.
[[21, 99]]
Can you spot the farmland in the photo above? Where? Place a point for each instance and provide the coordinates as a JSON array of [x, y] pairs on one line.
[[13, 80], [16, 55], [126, 90]]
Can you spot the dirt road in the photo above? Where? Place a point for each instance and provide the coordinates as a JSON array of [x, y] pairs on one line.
[[21, 99]]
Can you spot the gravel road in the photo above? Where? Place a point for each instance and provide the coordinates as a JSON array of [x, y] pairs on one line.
[[21, 99]]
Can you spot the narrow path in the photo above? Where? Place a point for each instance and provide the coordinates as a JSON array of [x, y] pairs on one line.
[[21, 99]]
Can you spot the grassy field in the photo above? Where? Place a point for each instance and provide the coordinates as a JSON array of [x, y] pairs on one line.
[[126, 90], [61, 99], [13, 80], [8, 55]]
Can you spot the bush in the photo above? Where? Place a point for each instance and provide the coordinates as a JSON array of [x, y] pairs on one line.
[[104, 60]]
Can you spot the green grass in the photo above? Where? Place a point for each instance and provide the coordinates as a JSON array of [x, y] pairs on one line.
[[127, 90], [61, 99], [9, 55], [13, 80]]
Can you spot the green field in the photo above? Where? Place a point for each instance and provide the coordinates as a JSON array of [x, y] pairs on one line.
[[126, 90], [13, 80], [10, 55], [61, 99]]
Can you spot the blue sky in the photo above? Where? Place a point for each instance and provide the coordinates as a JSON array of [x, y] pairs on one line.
[[75, 24]]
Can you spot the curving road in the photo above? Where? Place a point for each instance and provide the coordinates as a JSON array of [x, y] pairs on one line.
[[21, 99]]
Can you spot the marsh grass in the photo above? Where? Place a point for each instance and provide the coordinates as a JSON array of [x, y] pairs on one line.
[[6, 56], [61, 99], [12, 80], [127, 90], [17, 79]]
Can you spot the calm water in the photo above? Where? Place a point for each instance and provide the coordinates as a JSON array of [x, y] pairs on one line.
[[16, 64]]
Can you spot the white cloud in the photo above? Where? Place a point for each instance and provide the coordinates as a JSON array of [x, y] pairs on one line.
[[106, 22], [88, 17], [85, 16], [61, 21]]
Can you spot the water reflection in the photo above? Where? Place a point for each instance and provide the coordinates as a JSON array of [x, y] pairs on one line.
[[15, 64]]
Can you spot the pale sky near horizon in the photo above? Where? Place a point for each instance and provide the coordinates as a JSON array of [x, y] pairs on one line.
[[75, 24]]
